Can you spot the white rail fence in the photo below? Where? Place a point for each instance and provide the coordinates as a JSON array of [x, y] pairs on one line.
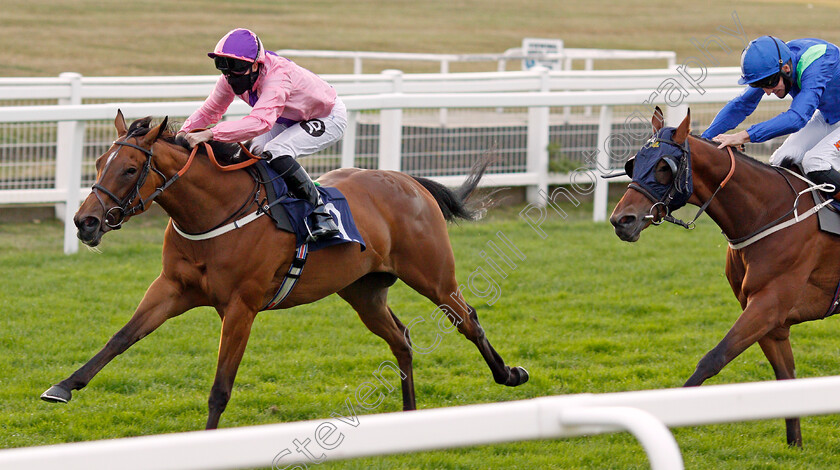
[[646, 414], [565, 57], [73, 88], [393, 124]]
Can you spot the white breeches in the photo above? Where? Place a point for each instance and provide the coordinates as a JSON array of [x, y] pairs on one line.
[[303, 138], [815, 147]]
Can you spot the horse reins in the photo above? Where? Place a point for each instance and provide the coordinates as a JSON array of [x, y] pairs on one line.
[[690, 225], [753, 237], [665, 201], [124, 204]]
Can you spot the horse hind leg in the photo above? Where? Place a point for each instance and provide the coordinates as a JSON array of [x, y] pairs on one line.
[[447, 297], [776, 347], [471, 328], [369, 297]]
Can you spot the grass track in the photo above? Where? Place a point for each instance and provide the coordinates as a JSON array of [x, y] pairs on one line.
[[585, 313], [144, 37]]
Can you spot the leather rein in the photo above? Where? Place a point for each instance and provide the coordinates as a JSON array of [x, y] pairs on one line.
[[664, 202], [115, 216], [742, 242]]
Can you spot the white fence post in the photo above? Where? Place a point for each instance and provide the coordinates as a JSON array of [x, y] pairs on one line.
[[63, 152], [357, 65], [390, 129], [602, 186], [443, 113], [70, 139], [537, 151], [348, 142], [657, 440]]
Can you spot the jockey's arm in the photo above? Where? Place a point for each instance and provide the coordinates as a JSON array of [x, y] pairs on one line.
[[734, 112]]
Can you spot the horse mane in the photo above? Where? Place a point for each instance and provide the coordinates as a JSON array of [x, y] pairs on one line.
[[225, 152]]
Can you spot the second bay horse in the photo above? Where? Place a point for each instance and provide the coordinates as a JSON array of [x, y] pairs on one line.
[[780, 278]]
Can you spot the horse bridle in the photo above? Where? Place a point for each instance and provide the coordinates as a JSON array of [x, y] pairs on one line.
[[124, 206], [678, 172]]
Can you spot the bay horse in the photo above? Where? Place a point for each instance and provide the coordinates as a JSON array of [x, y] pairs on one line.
[[401, 218], [781, 278]]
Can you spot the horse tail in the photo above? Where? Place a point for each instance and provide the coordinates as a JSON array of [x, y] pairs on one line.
[[453, 202]]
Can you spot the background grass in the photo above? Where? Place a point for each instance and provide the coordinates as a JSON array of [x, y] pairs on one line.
[[585, 313], [144, 37]]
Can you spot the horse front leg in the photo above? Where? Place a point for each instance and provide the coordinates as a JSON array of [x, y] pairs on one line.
[[776, 347], [762, 315], [237, 319], [164, 299]]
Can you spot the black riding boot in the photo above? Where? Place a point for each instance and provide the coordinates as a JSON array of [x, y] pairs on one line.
[[827, 176], [301, 186]]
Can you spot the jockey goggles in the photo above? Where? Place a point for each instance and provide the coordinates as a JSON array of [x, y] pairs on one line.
[[231, 66], [767, 82]]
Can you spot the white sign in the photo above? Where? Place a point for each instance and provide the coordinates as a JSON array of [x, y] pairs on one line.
[[542, 46]]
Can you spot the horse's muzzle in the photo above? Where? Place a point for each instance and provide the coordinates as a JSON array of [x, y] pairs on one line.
[[90, 229], [628, 227]]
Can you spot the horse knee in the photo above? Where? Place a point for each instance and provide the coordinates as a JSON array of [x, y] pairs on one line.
[[402, 351]]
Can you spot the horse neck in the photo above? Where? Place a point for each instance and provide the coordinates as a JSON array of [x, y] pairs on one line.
[[750, 199], [203, 196]]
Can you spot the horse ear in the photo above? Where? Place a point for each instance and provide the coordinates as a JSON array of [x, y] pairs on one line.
[[153, 134], [119, 123], [682, 132], [658, 120]]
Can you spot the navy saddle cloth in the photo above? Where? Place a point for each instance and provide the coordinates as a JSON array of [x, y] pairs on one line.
[[290, 213]]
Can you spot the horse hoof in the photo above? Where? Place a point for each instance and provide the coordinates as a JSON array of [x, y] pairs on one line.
[[518, 376], [523, 375], [56, 394]]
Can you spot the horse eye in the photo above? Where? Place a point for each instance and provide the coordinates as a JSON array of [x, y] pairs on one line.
[[663, 174], [130, 171]]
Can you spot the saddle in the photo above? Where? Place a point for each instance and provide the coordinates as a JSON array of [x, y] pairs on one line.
[[289, 213], [829, 217]]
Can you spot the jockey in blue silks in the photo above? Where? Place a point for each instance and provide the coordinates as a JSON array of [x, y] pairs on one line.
[[808, 69]]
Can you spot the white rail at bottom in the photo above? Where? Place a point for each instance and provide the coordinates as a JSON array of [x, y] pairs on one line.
[[345, 435]]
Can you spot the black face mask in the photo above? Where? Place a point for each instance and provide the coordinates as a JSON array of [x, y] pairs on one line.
[[244, 82]]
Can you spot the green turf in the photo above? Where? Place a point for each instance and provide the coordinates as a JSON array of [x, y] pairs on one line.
[[144, 37], [584, 312]]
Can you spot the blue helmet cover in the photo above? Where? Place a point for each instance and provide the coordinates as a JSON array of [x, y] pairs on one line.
[[662, 147], [762, 58]]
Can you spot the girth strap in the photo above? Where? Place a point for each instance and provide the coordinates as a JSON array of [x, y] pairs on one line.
[[295, 270]]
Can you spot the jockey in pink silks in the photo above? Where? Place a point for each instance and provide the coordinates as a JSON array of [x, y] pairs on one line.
[[294, 113]]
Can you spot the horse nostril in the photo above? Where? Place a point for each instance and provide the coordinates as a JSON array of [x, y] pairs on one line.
[[624, 221], [87, 224]]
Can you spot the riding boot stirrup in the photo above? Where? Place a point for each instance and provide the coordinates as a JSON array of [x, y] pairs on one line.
[[301, 186], [830, 176]]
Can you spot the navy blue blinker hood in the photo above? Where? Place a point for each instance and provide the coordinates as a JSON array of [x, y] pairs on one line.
[[641, 169]]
